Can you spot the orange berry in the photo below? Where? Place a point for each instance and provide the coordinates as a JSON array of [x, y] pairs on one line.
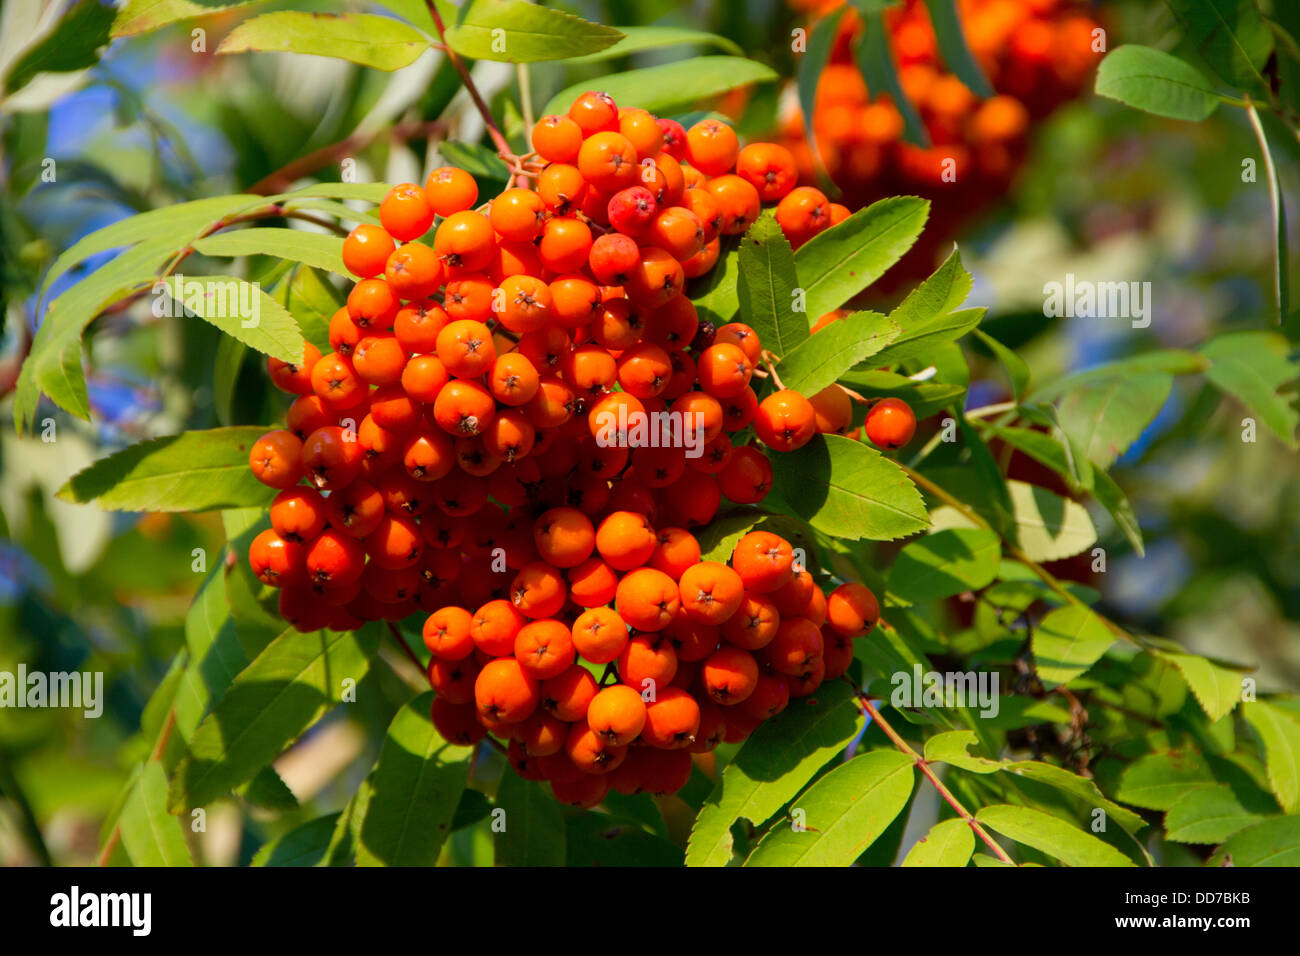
[[730, 675], [616, 715], [561, 187], [852, 610], [276, 459], [449, 190], [590, 752], [738, 202], [600, 635], [544, 648], [656, 278], [366, 250], [755, 622], [671, 719], [417, 325], [373, 305], [466, 348], [557, 139], [538, 590], [379, 359], [648, 662], [724, 370], [424, 377], [463, 407], [712, 147], [785, 421], [890, 424], [518, 215], [513, 380], [413, 271], [832, 410], [294, 378], [464, 240], [565, 244], [568, 696], [505, 692], [593, 112], [769, 168], [710, 592], [447, 633], [626, 540], [764, 561], [798, 643], [608, 161], [676, 551], [647, 599], [564, 537], [642, 131], [405, 212], [494, 627]]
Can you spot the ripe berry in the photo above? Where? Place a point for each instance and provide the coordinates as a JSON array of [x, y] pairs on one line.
[[785, 421], [366, 250], [277, 459], [890, 424], [406, 213]]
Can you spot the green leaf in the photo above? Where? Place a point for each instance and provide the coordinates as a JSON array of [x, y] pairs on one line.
[[240, 309], [951, 747], [1049, 527], [953, 49], [765, 287], [1217, 689], [54, 365], [876, 61], [1067, 642], [1051, 835], [74, 44], [1156, 82], [949, 843], [534, 825], [1157, 781], [597, 839], [662, 88], [151, 835], [1252, 367], [1207, 815], [808, 73], [417, 786], [312, 302], [1231, 36], [1105, 417], [716, 295], [847, 490], [304, 845], [269, 791], [512, 31], [142, 16], [1279, 731], [820, 361], [313, 248], [1113, 499], [1275, 842], [381, 43], [192, 471], [924, 338], [945, 563], [1015, 367], [1058, 778], [285, 690], [843, 813], [770, 768], [1173, 361], [636, 39], [215, 654], [839, 262]]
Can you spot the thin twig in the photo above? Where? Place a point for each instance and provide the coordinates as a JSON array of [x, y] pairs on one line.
[[1042, 573], [498, 139], [869, 709], [406, 648]]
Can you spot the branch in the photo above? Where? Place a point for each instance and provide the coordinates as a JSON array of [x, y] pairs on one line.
[[1043, 574], [287, 175], [869, 709], [499, 140]]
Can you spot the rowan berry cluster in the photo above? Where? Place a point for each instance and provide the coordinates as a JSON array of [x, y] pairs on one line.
[[508, 415], [1036, 53], [694, 652]]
